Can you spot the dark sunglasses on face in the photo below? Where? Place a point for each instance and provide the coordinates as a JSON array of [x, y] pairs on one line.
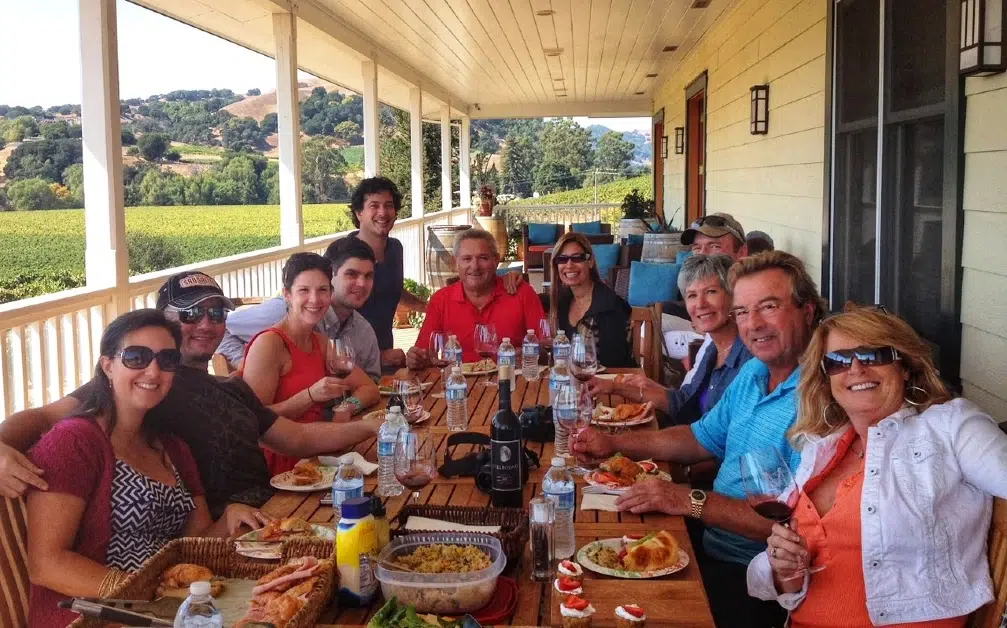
[[194, 314], [836, 362], [578, 258], [138, 358]]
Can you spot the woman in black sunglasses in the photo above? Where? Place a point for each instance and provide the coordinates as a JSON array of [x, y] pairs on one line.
[[896, 482], [120, 487], [580, 302]]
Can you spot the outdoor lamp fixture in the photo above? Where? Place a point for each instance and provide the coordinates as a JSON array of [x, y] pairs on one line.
[[760, 110], [664, 147], [679, 140], [981, 52]]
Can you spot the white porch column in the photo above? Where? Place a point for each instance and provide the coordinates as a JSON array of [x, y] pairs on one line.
[[464, 164], [416, 148], [106, 259], [288, 119], [371, 118], [446, 157]]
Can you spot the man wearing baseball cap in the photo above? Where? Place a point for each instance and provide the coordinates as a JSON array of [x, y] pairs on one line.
[[716, 234], [221, 419]]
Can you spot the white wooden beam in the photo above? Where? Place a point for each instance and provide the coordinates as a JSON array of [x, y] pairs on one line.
[[638, 107], [371, 118], [446, 157], [464, 162], [106, 259], [416, 148], [288, 120]]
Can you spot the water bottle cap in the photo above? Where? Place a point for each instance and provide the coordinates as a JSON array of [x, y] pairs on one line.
[[456, 370], [355, 508], [394, 410], [347, 459], [506, 339], [558, 461], [531, 332], [199, 588]]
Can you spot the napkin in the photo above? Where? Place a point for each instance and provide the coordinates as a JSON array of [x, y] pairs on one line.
[[594, 501], [423, 523], [359, 462]]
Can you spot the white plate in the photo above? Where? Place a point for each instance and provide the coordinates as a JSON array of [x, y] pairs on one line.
[[249, 545], [618, 490], [475, 373], [616, 544], [284, 481], [380, 414], [640, 420], [388, 393]]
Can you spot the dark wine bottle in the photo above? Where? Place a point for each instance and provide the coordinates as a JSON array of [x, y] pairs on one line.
[[505, 450]]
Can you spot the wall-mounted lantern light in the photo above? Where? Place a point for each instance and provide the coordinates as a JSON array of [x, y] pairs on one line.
[[679, 140], [760, 110], [664, 147], [981, 50]]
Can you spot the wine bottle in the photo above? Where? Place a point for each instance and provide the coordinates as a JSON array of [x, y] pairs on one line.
[[505, 450]]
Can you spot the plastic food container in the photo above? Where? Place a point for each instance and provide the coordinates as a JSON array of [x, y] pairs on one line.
[[442, 593]]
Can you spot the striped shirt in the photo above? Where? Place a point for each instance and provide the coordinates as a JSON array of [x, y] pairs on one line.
[[746, 418]]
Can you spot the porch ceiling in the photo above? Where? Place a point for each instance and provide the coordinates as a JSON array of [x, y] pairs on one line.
[[489, 58]]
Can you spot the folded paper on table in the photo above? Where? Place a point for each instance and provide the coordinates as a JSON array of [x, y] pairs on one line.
[[359, 462], [424, 523], [594, 501]]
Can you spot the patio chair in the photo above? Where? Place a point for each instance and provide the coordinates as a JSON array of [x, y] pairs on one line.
[[536, 239], [596, 232], [14, 583], [645, 325], [991, 615]]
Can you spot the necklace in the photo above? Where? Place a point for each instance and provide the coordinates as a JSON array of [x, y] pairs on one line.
[[860, 454]]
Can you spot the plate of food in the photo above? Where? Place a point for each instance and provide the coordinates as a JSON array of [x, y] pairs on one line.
[[619, 473], [283, 592], [265, 543], [309, 475], [624, 414], [482, 367], [656, 554], [387, 389], [380, 414]]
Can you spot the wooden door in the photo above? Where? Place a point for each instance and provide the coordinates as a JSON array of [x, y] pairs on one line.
[[695, 177], [658, 161]]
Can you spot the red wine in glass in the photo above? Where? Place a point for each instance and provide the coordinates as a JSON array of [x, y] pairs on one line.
[[774, 510], [341, 372], [413, 479]]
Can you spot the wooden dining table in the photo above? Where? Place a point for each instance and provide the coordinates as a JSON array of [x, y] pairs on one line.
[[676, 600]]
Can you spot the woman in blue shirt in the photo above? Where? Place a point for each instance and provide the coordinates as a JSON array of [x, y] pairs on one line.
[[703, 283]]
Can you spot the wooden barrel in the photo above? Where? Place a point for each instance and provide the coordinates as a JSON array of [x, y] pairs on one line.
[[497, 227], [440, 253], [661, 247]]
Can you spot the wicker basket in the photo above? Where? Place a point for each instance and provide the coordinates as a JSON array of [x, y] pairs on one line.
[[513, 523], [219, 556]]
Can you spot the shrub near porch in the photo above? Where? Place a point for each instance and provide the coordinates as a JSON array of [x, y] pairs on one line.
[[43, 251]]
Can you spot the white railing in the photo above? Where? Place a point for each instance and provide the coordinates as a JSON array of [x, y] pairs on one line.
[[49, 344], [565, 215]]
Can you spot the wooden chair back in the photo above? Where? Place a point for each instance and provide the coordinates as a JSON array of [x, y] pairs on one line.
[[645, 324], [991, 615], [14, 583]]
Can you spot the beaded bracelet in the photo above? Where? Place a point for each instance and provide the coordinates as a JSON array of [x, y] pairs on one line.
[[355, 402]]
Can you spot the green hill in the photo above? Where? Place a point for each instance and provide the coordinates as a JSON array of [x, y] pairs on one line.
[[608, 193]]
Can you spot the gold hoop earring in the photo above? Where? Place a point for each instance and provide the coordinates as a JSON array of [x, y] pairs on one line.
[[825, 415], [915, 404]]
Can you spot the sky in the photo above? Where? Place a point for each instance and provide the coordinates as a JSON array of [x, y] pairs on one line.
[[156, 55]]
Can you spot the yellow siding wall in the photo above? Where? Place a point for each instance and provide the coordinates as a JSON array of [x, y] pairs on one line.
[[770, 182], [984, 246]]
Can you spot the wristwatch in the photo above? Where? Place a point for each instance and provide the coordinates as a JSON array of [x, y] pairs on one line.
[[698, 499]]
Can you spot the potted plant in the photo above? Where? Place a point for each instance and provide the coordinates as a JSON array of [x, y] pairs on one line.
[[486, 220], [487, 200], [638, 214]]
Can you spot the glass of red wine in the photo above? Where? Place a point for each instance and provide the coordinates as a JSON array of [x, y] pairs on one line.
[[583, 366], [545, 341], [438, 340], [415, 461], [338, 360], [487, 344]]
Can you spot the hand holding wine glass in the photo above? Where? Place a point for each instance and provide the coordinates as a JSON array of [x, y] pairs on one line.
[[487, 343], [438, 342], [584, 366], [415, 461]]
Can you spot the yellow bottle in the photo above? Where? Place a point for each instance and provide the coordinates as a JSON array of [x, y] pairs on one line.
[[356, 543], [381, 526]]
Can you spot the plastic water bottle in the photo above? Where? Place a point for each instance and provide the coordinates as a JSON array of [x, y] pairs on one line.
[[529, 357], [564, 407], [388, 434], [561, 346], [559, 376], [458, 408], [453, 351], [347, 484], [199, 610], [558, 486], [507, 356]]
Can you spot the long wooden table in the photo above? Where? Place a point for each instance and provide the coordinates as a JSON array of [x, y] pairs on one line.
[[670, 601]]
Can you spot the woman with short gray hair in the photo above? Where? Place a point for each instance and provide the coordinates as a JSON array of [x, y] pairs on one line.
[[704, 287]]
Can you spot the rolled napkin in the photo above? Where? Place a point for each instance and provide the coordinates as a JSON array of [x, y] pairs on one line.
[[359, 462], [423, 523], [595, 501]]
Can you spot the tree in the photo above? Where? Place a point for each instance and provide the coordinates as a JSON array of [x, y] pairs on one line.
[[255, 91], [322, 168], [58, 130], [29, 194], [242, 134], [349, 131], [162, 188], [269, 181], [566, 153], [46, 159], [73, 179], [16, 129], [268, 124], [128, 139], [172, 155], [238, 182], [613, 154], [395, 160], [519, 155], [153, 146]]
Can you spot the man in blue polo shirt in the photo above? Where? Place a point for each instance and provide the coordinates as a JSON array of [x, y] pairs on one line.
[[776, 306]]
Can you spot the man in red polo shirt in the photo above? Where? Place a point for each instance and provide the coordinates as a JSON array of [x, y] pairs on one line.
[[479, 297]]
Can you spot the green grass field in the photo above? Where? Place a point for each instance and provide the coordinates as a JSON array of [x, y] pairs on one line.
[[43, 251], [607, 193], [198, 149], [354, 156]]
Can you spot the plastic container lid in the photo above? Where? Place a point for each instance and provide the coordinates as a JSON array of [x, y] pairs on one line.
[[558, 461], [199, 588], [356, 508]]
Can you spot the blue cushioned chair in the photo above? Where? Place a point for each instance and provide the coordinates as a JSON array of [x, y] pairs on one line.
[[653, 283], [591, 228], [635, 239], [682, 256], [606, 257], [536, 239]]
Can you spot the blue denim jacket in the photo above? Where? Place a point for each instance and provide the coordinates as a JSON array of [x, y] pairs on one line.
[[686, 405]]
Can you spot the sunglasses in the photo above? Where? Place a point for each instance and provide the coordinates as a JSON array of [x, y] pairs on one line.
[[138, 358], [194, 314], [836, 362], [578, 258]]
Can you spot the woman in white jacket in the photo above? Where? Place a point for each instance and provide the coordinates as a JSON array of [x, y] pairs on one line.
[[896, 483]]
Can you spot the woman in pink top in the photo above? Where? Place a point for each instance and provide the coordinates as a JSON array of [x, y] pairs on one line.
[[120, 487], [286, 364]]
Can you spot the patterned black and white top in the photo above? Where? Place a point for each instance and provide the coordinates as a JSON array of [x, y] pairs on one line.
[[146, 514]]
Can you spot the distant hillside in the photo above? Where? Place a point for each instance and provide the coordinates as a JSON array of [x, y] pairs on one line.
[[644, 148], [256, 107]]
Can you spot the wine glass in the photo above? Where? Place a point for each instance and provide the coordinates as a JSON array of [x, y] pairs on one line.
[[338, 361], [769, 486], [487, 343], [584, 366], [415, 461], [411, 392], [438, 341], [545, 340]]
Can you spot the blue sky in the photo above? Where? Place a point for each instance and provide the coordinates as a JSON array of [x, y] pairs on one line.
[[44, 33]]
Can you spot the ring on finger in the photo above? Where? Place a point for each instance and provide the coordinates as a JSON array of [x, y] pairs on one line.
[[772, 552]]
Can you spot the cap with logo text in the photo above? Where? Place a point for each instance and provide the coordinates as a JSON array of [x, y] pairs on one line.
[[188, 289]]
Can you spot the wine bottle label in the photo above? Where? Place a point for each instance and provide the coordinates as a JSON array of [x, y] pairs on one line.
[[506, 455]]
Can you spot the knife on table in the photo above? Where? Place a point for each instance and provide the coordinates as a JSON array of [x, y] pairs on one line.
[[110, 613]]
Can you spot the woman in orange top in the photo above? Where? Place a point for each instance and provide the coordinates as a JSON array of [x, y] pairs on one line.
[[285, 364]]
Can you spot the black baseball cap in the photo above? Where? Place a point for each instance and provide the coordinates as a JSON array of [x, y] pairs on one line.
[[190, 288]]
